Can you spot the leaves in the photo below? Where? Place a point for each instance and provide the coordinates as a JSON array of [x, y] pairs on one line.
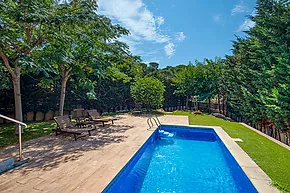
[[258, 72], [148, 91]]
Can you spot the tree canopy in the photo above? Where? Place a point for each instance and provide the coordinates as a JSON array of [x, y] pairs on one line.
[[148, 91]]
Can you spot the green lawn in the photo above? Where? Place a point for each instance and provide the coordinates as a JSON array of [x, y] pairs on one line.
[[34, 130], [271, 157]]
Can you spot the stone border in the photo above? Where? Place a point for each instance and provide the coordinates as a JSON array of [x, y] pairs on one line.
[[267, 136], [257, 176]]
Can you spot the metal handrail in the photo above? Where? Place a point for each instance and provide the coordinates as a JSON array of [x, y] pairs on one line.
[[149, 121], [19, 123], [13, 120], [157, 122]]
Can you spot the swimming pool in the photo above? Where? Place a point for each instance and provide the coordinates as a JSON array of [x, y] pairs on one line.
[[181, 159]]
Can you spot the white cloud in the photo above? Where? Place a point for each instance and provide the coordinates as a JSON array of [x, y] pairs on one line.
[[169, 49], [180, 36], [239, 8], [135, 16], [216, 18], [246, 25], [160, 20]]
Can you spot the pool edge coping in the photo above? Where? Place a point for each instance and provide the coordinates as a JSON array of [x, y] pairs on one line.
[[257, 176]]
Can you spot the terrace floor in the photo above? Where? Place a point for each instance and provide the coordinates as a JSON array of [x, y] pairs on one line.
[[60, 164]]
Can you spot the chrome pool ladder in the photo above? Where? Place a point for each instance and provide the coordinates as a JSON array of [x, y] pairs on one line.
[[151, 123]]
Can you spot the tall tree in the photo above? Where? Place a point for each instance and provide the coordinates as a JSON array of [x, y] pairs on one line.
[[82, 46], [184, 82], [23, 29]]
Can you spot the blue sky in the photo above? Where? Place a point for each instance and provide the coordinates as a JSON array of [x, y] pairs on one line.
[[173, 32]]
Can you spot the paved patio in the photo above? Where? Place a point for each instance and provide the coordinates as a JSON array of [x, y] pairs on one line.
[[59, 164]]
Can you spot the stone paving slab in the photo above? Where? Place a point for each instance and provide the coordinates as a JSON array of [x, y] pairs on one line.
[[60, 164]]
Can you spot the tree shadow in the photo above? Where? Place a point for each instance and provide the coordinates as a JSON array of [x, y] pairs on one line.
[[48, 152]]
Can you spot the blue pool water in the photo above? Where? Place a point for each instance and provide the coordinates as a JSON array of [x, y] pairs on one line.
[[180, 159]]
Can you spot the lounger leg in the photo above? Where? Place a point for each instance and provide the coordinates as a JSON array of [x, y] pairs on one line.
[[89, 133], [103, 124], [112, 121]]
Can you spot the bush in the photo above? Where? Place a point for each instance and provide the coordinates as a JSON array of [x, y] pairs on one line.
[[148, 91]]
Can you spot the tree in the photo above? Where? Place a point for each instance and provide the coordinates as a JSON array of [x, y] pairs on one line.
[[184, 82], [154, 65], [82, 46], [23, 28], [148, 91], [166, 76]]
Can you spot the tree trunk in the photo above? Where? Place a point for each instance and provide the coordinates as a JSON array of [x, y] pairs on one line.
[[219, 104], [17, 97], [15, 76], [62, 94], [186, 103], [224, 109], [65, 76], [196, 106], [208, 105]]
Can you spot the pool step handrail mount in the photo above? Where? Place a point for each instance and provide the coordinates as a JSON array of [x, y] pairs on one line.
[[151, 123]]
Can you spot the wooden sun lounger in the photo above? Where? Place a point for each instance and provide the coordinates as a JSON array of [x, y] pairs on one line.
[[81, 119], [94, 115], [65, 125]]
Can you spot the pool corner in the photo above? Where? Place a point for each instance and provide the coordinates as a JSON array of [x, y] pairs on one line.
[[257, 176]]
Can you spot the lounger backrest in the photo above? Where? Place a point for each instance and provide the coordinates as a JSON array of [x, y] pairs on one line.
[[63, 122], [79, 113], [94, 114]]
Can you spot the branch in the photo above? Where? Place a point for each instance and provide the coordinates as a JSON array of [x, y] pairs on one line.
[[6, 62], [16, 47], [69, 69], [67, 72], [9, 44], [61, 66], [36, 43], [28, 34]]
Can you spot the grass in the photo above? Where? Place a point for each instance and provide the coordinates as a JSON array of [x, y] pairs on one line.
[[271, 157], [34, 130]]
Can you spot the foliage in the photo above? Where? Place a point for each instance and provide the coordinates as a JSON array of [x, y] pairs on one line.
[[271, 157], [258, 71], [82, 47], [23, 29], [4, 79], [148, 91], [254, 80], [57, 39], [202, 80]]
